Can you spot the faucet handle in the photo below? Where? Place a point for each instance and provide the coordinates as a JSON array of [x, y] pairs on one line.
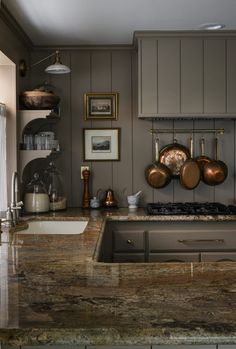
[[19, 204]]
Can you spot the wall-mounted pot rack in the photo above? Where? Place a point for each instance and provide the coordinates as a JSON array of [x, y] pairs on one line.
[[185, 130]]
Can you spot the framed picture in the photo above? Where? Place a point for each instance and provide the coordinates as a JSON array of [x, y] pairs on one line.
[[100, 106], [101, 144]]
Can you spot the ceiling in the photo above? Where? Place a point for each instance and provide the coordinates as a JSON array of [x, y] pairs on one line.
[[105, 22]]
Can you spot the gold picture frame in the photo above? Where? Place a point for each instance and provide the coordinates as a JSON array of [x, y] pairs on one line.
[[101, 144], [101, 106]]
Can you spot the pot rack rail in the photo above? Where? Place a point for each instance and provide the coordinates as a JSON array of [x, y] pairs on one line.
[[186, 130]]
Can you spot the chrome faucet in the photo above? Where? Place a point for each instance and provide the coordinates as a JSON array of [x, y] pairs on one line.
[[15, 204]]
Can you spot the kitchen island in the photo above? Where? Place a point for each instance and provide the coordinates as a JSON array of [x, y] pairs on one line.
[[54, 291]]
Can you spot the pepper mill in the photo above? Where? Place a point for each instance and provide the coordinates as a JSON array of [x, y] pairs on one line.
[[86, 195]]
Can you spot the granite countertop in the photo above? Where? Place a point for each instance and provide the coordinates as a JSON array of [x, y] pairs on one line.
[[54, 291]]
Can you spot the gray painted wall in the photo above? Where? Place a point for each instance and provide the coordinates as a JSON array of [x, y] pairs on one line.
[[116, 70]]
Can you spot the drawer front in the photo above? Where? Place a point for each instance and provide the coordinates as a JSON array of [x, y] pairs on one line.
[[184, 346], [218, 256], [128, 241], [174, 257], [192, 240], [128, 257]]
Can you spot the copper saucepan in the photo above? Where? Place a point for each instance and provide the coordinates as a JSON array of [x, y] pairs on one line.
[[216, 171], [202, 159], [157, 175], [173, 156], [190, 173]]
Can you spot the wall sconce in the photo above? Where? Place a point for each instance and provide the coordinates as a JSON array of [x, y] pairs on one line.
[[56, 68]]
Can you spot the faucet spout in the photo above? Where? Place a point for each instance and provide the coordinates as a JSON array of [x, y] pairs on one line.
[[14, 189], [15, 204]]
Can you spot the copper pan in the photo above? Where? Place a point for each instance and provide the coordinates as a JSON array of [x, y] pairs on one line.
[[216, 171], [202, 159], [157, 175], [190, 173], [174, 156]]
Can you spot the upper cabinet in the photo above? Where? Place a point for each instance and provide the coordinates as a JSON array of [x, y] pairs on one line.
[[186, 74]]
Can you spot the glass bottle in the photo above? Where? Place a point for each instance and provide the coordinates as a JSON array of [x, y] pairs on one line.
[[54, 186], [36, 198]]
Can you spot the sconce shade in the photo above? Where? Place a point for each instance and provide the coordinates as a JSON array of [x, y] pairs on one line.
[[57, 67]]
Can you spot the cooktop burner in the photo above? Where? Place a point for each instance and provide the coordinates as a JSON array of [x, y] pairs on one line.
[[190, 208]]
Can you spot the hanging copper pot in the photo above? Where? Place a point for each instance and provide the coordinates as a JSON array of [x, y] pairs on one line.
[[157, 175], [216, 171], [190, 173], [202, 159]]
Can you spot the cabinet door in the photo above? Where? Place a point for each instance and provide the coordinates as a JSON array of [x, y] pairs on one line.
[[128, 241], [174, 257], [168, 76], [128, 257], [218, 256], [214, 76], [147, 82], [191, 76], [231, 76]]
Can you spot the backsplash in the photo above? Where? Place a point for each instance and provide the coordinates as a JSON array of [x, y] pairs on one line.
[[116, 70]]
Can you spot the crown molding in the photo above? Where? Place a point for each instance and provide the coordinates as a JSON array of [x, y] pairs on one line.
[[14, 26], [84, 47]]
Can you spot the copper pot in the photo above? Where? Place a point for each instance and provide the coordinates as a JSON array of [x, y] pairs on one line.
[[202, 160], [157, 175], [174, 156], [109, 199], [216, 171], [190, 173]]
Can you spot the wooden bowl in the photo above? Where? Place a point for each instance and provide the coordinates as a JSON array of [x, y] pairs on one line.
[[39, 100]]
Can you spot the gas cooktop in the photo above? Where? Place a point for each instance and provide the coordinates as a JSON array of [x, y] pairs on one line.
[[190, 208]]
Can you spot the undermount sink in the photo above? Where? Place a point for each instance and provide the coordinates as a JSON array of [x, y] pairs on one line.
[[55, 227]]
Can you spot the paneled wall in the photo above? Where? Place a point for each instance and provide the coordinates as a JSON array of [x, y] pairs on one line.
[[116, 70]]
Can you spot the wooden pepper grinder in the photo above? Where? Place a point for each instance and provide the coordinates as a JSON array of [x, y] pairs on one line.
[[86, 195]]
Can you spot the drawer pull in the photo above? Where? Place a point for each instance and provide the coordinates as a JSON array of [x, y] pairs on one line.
[[130, 242], [193, 241]]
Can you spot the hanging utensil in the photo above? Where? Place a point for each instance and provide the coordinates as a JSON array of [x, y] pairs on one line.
[[190, 173], [216, 171], [202, 159], [157, 175], [174, 156]]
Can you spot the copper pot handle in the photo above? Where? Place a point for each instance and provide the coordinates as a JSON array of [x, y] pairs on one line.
[[216, 149], [202, 145], [191, 147], [157, 149]]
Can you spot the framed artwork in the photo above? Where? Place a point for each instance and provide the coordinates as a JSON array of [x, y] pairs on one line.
[[101, 106], [101, 144]]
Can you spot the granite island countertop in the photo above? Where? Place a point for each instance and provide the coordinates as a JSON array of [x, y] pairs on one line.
[[53, 291]]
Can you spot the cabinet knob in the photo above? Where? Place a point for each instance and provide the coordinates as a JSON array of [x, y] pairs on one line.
[[130, 242]]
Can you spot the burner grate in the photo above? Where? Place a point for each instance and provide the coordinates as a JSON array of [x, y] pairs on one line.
[[190, 208]]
